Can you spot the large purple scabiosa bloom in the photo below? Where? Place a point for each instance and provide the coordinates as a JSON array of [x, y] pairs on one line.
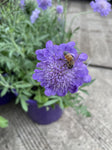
[[44, 4], [101, 6], [53, 72], [59, 9], [34, 15]]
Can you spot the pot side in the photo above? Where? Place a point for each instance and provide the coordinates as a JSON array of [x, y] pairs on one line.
[[42, 115]]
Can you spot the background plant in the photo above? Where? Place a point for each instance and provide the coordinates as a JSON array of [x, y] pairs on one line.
[[19, 39]]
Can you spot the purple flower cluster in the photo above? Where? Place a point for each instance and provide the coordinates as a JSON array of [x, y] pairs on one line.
[[53, 73], [22, 3], [34, 15], [101, 6], [59, 9], [44, 4]]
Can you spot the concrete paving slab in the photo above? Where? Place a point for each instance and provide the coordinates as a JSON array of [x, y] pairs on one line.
[[100, 100], [99, 103], [72, 131], [65, 134], [74, 7]]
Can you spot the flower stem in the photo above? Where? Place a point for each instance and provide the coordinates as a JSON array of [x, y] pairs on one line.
[[79, 14]]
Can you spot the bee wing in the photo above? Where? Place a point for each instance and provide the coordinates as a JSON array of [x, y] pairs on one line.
[[73, 55]]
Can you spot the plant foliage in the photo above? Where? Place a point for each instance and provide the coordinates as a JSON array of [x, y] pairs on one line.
[[3, 122], [19, 39]]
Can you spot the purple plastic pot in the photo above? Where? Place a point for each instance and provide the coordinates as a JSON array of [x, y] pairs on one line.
[[41, 115], [7, 98]]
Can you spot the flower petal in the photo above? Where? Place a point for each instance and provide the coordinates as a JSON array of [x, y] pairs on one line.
[[49, 92], [73, 89], [87, 79], [49, 45], [81, 72], [61, 92], [83, 57], [40, 54], [38, 75]]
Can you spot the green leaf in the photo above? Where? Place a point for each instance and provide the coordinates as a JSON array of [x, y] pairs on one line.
[[88, 114], [82, 110], [84, 91], [38, 96], [24, 105], [61, 104], [43, 37], [26, 93], [4, 91], [77, 101], [17, 100], [76, 29], [23, 99], [87, 84], [44, 99], [11, 53], [26, 85], [51, 102], [2, 78], [54, 97], [81, 97], [3, 122]]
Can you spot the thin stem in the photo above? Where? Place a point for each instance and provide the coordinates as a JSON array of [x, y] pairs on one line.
[[79, 14], [83, 13], [15, 44]]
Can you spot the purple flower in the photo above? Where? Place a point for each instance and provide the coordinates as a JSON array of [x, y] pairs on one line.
[[43, 4], [22, 3], [101, 6], [59, 9], [34, 15], [53, 72]]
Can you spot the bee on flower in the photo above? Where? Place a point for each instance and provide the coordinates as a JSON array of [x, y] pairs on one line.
[[56, 73]]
